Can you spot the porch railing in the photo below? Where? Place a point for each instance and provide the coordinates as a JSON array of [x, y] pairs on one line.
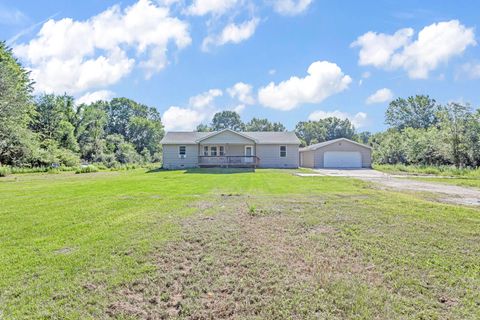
[[228, 161]]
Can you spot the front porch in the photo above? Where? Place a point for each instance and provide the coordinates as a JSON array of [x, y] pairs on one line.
[[227, 155], [227, 149], [228, 161]]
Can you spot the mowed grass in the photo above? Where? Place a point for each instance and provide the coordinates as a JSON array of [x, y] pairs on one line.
[[464, 182], [70, 245]]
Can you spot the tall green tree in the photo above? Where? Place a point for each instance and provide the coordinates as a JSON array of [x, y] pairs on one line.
[[418, 111], [137, 123], [363, 137], [257, 124], [55, 119], [90, 130], [473, 139], [203, 128], [227, 120], [338, 128], [388, 147], [17, 142], [311, 132], [454, 120]]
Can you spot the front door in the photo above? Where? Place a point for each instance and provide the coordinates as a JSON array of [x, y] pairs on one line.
[[248, 153]]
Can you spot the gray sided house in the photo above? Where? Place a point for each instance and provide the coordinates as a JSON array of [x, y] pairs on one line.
[[228, 148], [338, 153]]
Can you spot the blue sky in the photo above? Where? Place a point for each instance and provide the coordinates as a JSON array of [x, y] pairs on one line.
[[287, 60]]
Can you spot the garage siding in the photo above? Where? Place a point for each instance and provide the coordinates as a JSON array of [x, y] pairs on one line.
[[307, 158], [269, 155], [171, 160]]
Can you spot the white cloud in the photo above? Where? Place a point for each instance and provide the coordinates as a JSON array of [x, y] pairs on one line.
[[74, 56], [89, 97], [203, 7], [469, 70], [376, 49], [205, 99], [272, 72], [291, 7], [242, 92], [380, 96], [359, 120], [239, 108], [323, 80], [183, 119], [435, 44], [168, 3], [200, 108], [232, 33]]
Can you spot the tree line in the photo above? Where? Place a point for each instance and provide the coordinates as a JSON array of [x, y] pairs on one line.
[[423, 132], [52, 129]]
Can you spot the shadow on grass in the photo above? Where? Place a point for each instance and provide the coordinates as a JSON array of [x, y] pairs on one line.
[[219, 170], [155, 170], [205, 170]]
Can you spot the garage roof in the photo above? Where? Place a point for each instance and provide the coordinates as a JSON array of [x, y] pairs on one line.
[[326, 143]]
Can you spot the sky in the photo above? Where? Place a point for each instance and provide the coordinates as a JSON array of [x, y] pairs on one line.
[[285, 60]]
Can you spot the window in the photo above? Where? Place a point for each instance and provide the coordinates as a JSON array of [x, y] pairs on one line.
[[205, 150], [182, 150], [213, 150], [283, 151], [221, 149]]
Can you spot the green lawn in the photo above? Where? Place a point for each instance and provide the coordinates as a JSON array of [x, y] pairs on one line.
[[464, 182], [216, 243], [422, 170]]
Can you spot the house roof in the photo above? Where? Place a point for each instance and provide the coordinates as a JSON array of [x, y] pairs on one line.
[[326, 143], [178, 137]]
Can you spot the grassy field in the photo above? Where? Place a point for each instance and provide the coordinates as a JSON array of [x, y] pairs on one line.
[[450, 171], [464, 182], [231, 244], [443, 174]]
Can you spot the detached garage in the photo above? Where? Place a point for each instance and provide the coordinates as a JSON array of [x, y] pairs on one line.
[[338, 153]]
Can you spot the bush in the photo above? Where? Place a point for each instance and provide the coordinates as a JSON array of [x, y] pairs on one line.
[[100, 166], [4, 171], [68, 158], [86, 169], [54, 170]]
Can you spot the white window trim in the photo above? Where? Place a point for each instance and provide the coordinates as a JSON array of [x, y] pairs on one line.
[[280, 149], [209, 150], [180, 155], [216, 151], [249, 146]]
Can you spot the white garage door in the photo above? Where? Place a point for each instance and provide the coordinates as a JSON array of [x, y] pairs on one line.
[[342, 159]]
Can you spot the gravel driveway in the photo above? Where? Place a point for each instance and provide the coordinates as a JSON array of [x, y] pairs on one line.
[[447, 193]]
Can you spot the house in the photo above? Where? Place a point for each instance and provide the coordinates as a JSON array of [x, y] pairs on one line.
[[228, 148], [338, 153]]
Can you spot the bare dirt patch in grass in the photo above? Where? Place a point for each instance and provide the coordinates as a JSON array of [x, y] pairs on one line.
[[238, 265]]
